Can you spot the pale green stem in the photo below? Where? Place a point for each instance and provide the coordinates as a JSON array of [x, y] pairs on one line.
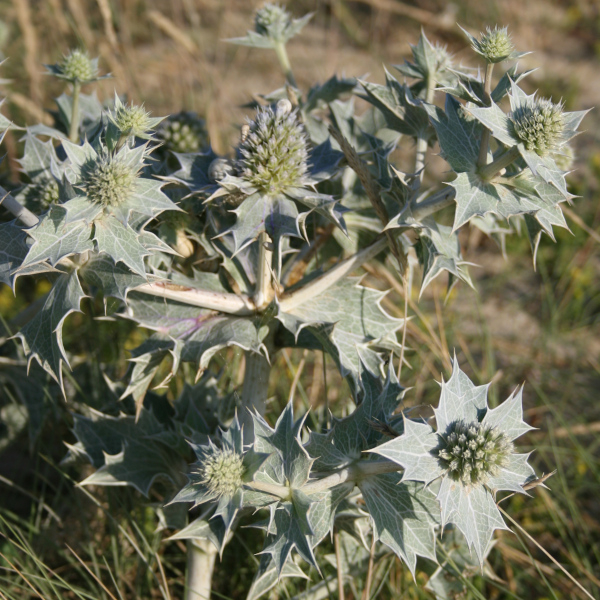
[[485, 135], [201, 556], [490, 171], [421, 150], [74, 127], [264, 289], [17, 209], [284, 61]]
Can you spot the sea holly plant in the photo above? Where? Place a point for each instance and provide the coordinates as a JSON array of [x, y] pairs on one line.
[[221, 263]]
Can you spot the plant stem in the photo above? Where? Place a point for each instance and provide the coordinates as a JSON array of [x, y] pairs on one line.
[[201, 556], [338, 559], [284, 61], [421, 150], [17, 209], [485, 135], [487, 172], [74, 126], [264, 289], [255, 391]]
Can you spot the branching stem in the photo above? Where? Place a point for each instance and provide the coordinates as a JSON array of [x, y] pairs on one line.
[[485, 135], [421, 150], [490, 171], [74, 126]]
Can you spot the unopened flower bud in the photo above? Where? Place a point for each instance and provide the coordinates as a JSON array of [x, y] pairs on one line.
[[132, 120], [219, 169], [539, 124], [495, 45], [78, 66]]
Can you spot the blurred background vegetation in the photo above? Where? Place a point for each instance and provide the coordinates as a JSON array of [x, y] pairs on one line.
[[539, 327]]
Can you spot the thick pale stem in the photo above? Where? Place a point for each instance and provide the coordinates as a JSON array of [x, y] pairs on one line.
[[255, 391], [264, 289], [17, 209], [201, 556], [74, 127], [485, 135], [490, 171], [421, 150], [284, 61]]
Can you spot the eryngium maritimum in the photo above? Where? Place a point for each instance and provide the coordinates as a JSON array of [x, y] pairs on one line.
[[539, 124], [495, 45], [221, 471], [78, 66], [271, 20], [275, 152], [184, 132], [472, 452], [107, 180], [132, 119]]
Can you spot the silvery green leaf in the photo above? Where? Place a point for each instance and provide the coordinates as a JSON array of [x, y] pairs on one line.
[[460, 399], [327, 92], [474, 197], [121, 243], [333, 311], [508, 416], [495, 119], [37, 156], [13, 250], [55, 239], [546, 168], [351, 436], [123, 450], [459, 137], [278, 33], [286, 534], [404, 516], [193, 172], [438, 250], [323, 204], [323, 162], [204, 527], [395, 101], [513, 474], [267, 576], [413, 450], [42, 336], [473, 511], [113, 279], [283, 440], [80, 209], [323, 510]]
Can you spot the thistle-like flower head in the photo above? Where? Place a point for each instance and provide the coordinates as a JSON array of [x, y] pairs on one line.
[[108, 180], [221, 471], [275, 152], [184, 132], [539, 124], [77, 66], [272, 20], [495, 45], [472, 453]]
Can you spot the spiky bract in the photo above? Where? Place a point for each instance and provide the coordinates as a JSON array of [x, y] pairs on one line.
[[275, 152], [495, 45], [472, 452], [78, 66], [108, 180], [443, 58], [221, 471], [184, 132], [539, 124], [133, 120], [272, 20]]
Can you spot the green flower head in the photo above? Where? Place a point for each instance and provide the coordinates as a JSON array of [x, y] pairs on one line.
[[221, 471], [184, 132], [133, 119], [77, 66], [107, 180], [495, 45], [472, 452], [272, 21], [539, 124], [275, 152]]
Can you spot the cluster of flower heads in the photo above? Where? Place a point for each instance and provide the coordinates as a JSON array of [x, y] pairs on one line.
[[221, 471], [107, 179], [472, 452], [275, 151], [539, 124]]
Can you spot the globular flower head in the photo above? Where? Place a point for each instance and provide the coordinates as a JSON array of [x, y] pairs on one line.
[[132, 119], [272, 20], [275, 152], [184, 132], [221, 471], [495, 45], [539, 124], [77, 66], [471, 452], [108, 180]]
